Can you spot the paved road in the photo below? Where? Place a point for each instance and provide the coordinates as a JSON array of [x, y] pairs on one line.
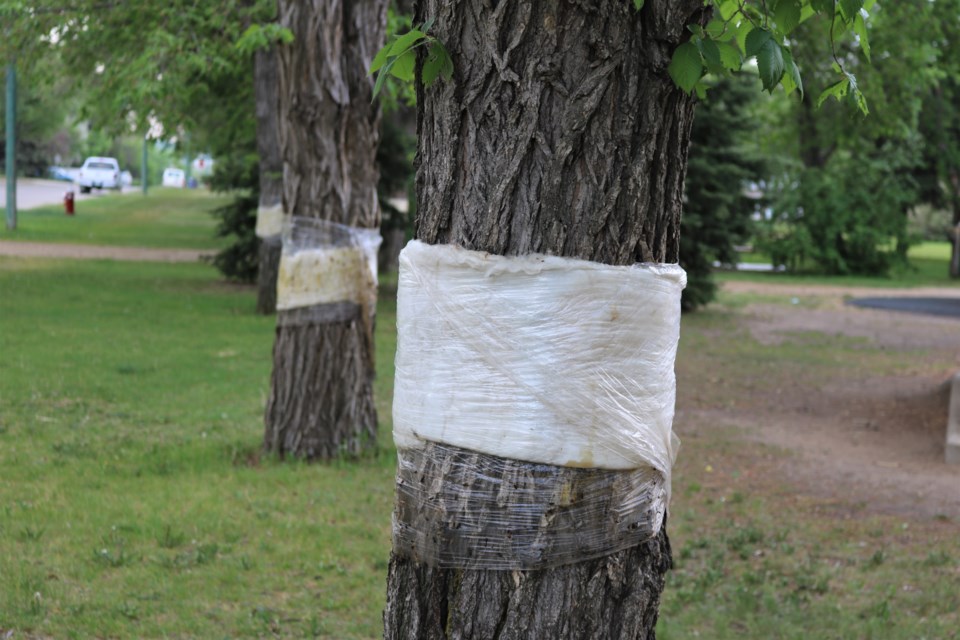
[[945, 307], [32, 192]]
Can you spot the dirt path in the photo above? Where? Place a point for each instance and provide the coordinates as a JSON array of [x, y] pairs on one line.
[[865, 420], [96, 252], [836, 294]]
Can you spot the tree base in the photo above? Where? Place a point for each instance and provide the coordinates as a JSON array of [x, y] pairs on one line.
[[321, 393], [617, 596], [389, 254], [457, 508]]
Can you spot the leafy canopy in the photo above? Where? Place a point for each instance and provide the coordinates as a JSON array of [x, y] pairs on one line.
[[741, 31]]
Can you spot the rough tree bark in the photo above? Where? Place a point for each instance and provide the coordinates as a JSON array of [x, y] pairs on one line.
[[954, 234], [266, 93], [321, 397], [560, 133]]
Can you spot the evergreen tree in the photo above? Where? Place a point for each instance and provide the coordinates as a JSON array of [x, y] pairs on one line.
[[716, 212]]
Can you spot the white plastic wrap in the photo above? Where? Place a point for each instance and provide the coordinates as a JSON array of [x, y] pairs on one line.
[[563, 363], [324, 262], [269, 221], [539, 358]]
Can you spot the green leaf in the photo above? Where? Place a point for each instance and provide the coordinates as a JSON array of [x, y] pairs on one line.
[[431, 70], [770, 64], [258, 37], [438, 63], [837, 90], [743, 30], [860, 28], [755, 41], [685, 66], [406, 41], [701, 90], [717, 29], [446, 69], [850, 8], [710, 51], [382, 77], [789, 86], [729, 56], [638, 4], [858, 98], [839, 28], [403, 65], [823, 6], [791, 80], [787, 15], [728, 9], [381, 58]]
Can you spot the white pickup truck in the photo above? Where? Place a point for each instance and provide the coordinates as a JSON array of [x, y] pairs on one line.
[[99, 173]]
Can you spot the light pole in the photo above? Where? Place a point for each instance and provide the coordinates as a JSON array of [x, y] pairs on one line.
[[11, 169], [143, 167]]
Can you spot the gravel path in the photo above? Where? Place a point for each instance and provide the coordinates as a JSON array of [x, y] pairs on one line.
[[96, 252]]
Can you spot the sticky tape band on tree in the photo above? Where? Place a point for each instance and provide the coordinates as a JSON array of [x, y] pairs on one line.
[[327, 270], [269, 221], [533, 406]]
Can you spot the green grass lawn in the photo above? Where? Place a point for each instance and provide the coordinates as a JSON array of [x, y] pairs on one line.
[[166, 218], [135, 502], [929, 267]]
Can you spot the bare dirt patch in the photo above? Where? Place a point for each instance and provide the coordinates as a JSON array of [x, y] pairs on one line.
[[858, 396]]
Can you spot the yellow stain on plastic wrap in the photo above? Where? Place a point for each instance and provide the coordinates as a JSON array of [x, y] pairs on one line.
[[321, 276]]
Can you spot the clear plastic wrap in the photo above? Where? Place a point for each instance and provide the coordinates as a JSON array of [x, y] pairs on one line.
[[561, 362], [269, 221], [325, 263], [462, 509]]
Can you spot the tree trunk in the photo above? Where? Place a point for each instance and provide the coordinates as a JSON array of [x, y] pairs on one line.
[[560, 133], [954, 191], [268, 267], [321, 397], [266, 93], [953, 234], [389, 255]]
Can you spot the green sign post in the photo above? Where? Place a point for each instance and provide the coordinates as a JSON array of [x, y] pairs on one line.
[[11, 169], [143, 167]]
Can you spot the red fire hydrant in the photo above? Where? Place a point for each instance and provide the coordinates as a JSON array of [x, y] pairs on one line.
[[68, 203]]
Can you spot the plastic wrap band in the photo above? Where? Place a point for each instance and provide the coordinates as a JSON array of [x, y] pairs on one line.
[[269, 221], [275, 242], [320, 314], [327, 263], [538, 358], [554, 377], [460, 509]]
